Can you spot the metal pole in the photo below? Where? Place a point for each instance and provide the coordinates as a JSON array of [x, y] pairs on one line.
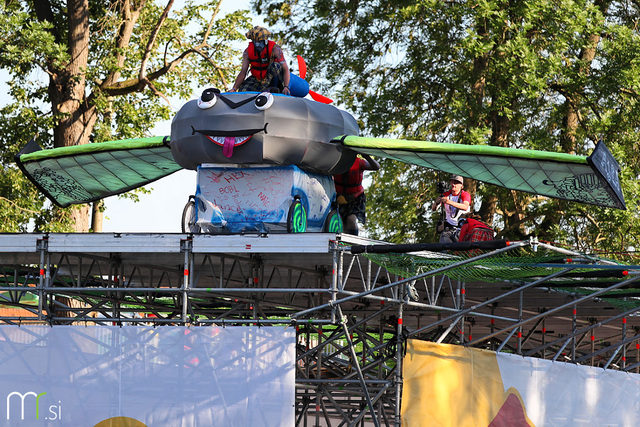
[[42, 248], [319, 375], [186, 246], [337, 261], [520, 304], [488, 302], [399, 380], [574, 326], [354, 357], [560, 308], [403, 281], [624, 348]]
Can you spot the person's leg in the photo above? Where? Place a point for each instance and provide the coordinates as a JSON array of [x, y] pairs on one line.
[[251, 84], [351, 225], [448, 236], [275, 76], [352, 212]]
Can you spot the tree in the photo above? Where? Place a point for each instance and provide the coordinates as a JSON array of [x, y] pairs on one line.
[[88, 71], [524, 74]]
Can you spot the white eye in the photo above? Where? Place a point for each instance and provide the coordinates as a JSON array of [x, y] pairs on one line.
[[264, 100], [208, 98]]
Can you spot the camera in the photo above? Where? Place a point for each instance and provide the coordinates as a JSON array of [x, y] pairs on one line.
[[442, 187]]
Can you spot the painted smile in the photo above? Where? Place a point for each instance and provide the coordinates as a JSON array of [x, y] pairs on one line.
[[229, 139], [228, 142]]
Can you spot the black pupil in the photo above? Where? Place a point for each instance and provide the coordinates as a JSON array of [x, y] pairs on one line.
[[208, 95], [261, 101]]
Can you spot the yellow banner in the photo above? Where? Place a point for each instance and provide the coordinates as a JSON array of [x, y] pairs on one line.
[[450, 385]]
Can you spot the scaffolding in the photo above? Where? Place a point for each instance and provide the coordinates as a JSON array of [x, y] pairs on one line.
[[352, 314]]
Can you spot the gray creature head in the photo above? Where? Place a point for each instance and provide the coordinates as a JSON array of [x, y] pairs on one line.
[[261, 128]]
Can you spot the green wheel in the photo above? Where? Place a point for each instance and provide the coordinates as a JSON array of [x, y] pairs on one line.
[[297, 218], [333, 223]]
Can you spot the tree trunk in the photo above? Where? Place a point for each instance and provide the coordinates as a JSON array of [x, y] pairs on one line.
[[572, 103], [476, 117], [97, 216], [80, 217], [67, 87]]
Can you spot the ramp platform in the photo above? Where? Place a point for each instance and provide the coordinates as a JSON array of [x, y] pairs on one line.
[[353, 312]]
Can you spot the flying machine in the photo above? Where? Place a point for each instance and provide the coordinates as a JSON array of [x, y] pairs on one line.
[[265, 162]]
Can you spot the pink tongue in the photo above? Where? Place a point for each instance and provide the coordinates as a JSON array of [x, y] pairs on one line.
[[227, 148]]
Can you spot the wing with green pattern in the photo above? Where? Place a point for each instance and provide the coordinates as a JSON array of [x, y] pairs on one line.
[[85, 173], [592, 180]]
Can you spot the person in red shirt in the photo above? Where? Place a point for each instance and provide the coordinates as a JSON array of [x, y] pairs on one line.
[[350, 193], [474, 230], [268, 67], [456, 203]]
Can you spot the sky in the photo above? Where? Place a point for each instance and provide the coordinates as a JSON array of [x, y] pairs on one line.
[[161, 210]]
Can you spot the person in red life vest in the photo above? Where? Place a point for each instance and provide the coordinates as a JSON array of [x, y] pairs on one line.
[[456, 202], [350, 193], [265, 60], [474, 230]]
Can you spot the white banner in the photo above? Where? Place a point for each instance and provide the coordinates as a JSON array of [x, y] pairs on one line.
[[144, 376], [564, 394]]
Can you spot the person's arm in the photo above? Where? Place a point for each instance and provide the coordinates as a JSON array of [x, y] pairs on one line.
[[463, 206], [278, 56], [287, 77], [439, 201], [372, 164], [243, 72], [444, 199]]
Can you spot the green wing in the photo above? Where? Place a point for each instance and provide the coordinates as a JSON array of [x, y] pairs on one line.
[[592, 180], [89, 172]]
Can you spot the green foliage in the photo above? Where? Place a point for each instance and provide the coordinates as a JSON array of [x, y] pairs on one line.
[[555, 76], [193, 48]]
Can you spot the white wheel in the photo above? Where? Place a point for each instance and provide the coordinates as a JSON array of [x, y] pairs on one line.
[[189, 217]]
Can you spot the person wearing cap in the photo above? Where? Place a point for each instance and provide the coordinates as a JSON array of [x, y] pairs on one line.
[[456, 202], [265, 60]]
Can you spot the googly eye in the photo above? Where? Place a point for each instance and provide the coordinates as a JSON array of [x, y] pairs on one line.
[[208, 98], [264, 101]]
